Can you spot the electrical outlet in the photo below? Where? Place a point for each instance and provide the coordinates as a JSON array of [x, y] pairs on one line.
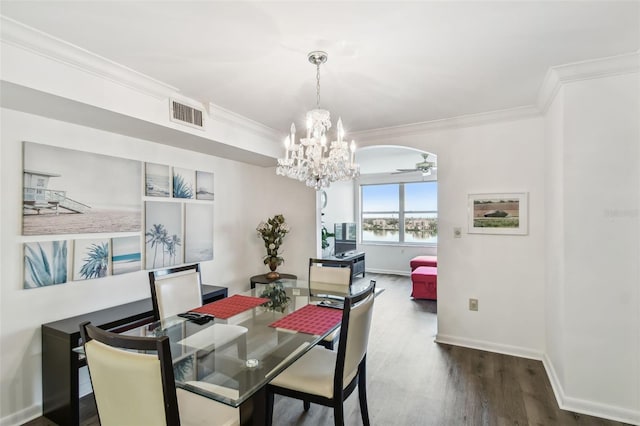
[[457, 232], [473, 304]]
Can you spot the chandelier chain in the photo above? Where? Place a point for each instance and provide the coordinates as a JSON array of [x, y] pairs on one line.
[[318, 85]]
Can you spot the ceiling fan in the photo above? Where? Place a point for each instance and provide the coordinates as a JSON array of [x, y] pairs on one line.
[[424, 166]]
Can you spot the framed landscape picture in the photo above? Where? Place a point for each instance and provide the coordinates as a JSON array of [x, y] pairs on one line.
[[126, 256], [76, 192], [198, 236], [500, 213], [204, 185], [157, 179]]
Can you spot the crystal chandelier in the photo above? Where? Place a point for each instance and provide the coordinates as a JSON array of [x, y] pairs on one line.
[[312, 161]]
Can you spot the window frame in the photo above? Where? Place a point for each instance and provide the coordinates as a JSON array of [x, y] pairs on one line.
[[385, 180]]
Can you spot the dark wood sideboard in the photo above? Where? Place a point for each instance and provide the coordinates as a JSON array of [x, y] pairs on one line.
[[60, 365], [356, 259]]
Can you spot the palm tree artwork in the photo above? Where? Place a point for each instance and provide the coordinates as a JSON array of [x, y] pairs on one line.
[[172, 247], [91, 259], [158, 237], [97, 261]]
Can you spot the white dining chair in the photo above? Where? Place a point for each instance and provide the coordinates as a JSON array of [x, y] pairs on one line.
[[329, 377], [330, 278], [133, 384], [178, 290]]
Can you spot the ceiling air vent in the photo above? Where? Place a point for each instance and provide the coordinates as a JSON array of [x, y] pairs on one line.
[[184, 114]]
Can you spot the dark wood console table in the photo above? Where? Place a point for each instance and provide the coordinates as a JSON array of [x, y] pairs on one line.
[[60, 365], [356, 259], [262, 279]]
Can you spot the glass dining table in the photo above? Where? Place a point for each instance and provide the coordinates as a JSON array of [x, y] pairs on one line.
[[236, 371]]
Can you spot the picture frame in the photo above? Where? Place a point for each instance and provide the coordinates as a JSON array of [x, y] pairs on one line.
[[66, 191], [498, 213]]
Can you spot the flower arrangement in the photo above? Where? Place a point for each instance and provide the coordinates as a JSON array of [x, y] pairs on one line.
[[277, 295], [272, 233]]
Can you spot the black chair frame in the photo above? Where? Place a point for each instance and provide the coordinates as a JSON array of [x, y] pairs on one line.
[[153, 275], [160, 345], [340, 392]]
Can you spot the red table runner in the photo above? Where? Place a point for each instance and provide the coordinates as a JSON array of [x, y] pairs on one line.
[[230, 306], [310, 319]]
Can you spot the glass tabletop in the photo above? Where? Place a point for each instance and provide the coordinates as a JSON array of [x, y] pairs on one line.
[[217, 361], [230, 359]]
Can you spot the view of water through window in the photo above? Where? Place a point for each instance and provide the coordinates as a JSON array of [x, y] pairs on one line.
[[381, 212]]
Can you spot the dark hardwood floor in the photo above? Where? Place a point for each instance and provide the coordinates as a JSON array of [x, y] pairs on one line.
[[414, 381]]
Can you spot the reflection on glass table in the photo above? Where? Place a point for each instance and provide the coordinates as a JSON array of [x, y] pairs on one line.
[[236, 373], [225, 373]]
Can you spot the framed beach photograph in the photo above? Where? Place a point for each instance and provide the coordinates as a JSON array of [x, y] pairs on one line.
[[204, 185], [198, 232], [500, 213], [157, 180], [45, 263], [91, 259], [75, 192], [125, 255], [163, 234], [184, 183]]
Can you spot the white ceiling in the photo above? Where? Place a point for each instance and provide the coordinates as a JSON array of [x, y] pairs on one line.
[[390, 63]]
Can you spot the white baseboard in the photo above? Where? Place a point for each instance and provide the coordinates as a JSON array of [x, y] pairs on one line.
[[23, 416], [490, 346], [590, 408], [576, 405]]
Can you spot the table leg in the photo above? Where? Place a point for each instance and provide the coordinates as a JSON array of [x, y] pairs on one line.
[[253, 410]]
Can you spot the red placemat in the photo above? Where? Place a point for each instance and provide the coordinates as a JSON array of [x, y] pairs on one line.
[[230, 306], [310, 319]]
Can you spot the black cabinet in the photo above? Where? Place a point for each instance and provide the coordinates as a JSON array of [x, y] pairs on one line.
[[356, 259], [60, 365]]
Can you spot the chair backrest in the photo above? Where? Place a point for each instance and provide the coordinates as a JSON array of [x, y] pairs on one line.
[[130, 387], [329, 277], [175, 290], [354, 335]]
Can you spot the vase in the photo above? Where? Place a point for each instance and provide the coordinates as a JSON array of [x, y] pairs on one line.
[[273, 275]]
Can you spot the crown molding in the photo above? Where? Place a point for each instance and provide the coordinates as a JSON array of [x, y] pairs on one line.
[[30, 39], [448, 123], [559, 75], [218, 113], [43, 44]]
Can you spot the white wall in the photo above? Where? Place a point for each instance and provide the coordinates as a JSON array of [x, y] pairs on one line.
[[340, 208], [595, 354], [506, 273], [244, 195], [554, 239]]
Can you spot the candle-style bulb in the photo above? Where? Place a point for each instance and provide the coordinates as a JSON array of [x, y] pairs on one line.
[[340, 130]]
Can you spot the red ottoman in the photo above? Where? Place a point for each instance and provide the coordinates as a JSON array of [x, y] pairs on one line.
[[425, 283], [424, 261]]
